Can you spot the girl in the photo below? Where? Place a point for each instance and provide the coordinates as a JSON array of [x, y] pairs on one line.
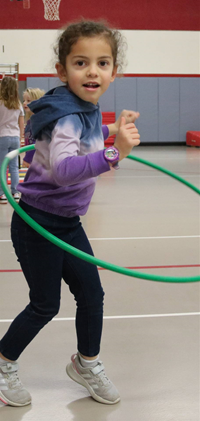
[[29, 95], [11, 130], [58, 189]]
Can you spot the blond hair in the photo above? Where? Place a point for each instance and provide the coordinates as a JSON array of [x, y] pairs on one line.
[[34, 93], [9, 94]]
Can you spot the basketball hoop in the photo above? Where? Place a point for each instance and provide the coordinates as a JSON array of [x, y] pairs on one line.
[[51, 9]]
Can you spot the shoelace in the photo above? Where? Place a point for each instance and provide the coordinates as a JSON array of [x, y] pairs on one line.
[[104, 378], [102, 375], [13, 380]]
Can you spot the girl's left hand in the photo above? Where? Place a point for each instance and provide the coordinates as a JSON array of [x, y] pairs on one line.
[[130, 117]]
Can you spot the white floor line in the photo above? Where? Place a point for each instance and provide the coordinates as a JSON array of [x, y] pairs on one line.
[[143, 238], [134, 316], [152, 176], [132, 238]]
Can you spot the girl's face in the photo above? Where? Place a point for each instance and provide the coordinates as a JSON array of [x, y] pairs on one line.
[[26, 101], [89, 68]]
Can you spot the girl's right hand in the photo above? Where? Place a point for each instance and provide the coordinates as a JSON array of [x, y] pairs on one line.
[[126, 139]]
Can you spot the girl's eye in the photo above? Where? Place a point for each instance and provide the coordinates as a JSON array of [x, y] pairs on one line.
[[80, 63], [103, 63]]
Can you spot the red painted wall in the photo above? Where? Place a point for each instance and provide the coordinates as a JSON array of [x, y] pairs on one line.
[[131, 14]]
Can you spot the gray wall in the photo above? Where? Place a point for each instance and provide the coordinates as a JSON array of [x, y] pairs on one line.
[[168, 106]]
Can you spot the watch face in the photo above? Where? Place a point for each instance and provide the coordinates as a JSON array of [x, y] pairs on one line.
[[111, 154]]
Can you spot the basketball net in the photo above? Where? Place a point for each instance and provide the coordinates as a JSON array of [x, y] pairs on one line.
[[51, 9]]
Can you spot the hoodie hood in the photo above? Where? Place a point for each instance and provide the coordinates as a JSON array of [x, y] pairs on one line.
[[55, 104]]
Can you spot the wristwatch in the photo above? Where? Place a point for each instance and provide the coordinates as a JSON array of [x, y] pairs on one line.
[[111, 155]]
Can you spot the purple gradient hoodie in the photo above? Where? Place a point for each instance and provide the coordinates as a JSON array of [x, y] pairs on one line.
[[69, 154]]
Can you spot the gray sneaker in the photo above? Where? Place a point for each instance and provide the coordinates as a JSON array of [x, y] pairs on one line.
[[94, 379], [12, 392]]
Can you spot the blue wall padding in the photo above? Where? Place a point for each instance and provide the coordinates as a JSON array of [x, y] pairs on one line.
[[147, 104], [168, 106], [125, 94], [189, 105]]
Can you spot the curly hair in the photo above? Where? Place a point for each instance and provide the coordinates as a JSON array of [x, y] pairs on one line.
[[88, 29]]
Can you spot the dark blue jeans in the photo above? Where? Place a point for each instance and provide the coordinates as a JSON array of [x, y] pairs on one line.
[[44, 265]]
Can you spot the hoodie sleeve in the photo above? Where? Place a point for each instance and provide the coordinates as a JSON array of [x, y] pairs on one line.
[[105, 131], [67, 166]]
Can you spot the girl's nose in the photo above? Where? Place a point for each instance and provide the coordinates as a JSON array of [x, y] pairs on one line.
[[92, 70]]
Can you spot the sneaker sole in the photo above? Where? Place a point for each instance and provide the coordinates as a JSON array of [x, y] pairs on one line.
[[7, 402], [78, 379]]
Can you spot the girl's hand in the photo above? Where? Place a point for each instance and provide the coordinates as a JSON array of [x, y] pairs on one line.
[[130, 117], [127, 138]]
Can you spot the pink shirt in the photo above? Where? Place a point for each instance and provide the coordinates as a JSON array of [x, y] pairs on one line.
[[9, 121]]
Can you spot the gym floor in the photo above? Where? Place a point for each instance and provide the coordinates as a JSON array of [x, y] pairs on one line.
[[146, 220]]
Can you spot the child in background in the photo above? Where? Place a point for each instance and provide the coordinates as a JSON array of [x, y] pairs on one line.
[[11, 130], [29, 95], [57, 190]]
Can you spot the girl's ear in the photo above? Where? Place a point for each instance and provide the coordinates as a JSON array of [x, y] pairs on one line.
[[114, 73], [61, 72]]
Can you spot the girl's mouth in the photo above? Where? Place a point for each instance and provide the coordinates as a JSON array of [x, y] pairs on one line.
[[91, 86]]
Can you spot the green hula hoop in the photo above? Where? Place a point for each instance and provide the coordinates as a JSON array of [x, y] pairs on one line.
[[76, 252]]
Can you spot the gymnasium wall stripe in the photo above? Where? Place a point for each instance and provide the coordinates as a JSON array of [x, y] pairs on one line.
[[23, 77]]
